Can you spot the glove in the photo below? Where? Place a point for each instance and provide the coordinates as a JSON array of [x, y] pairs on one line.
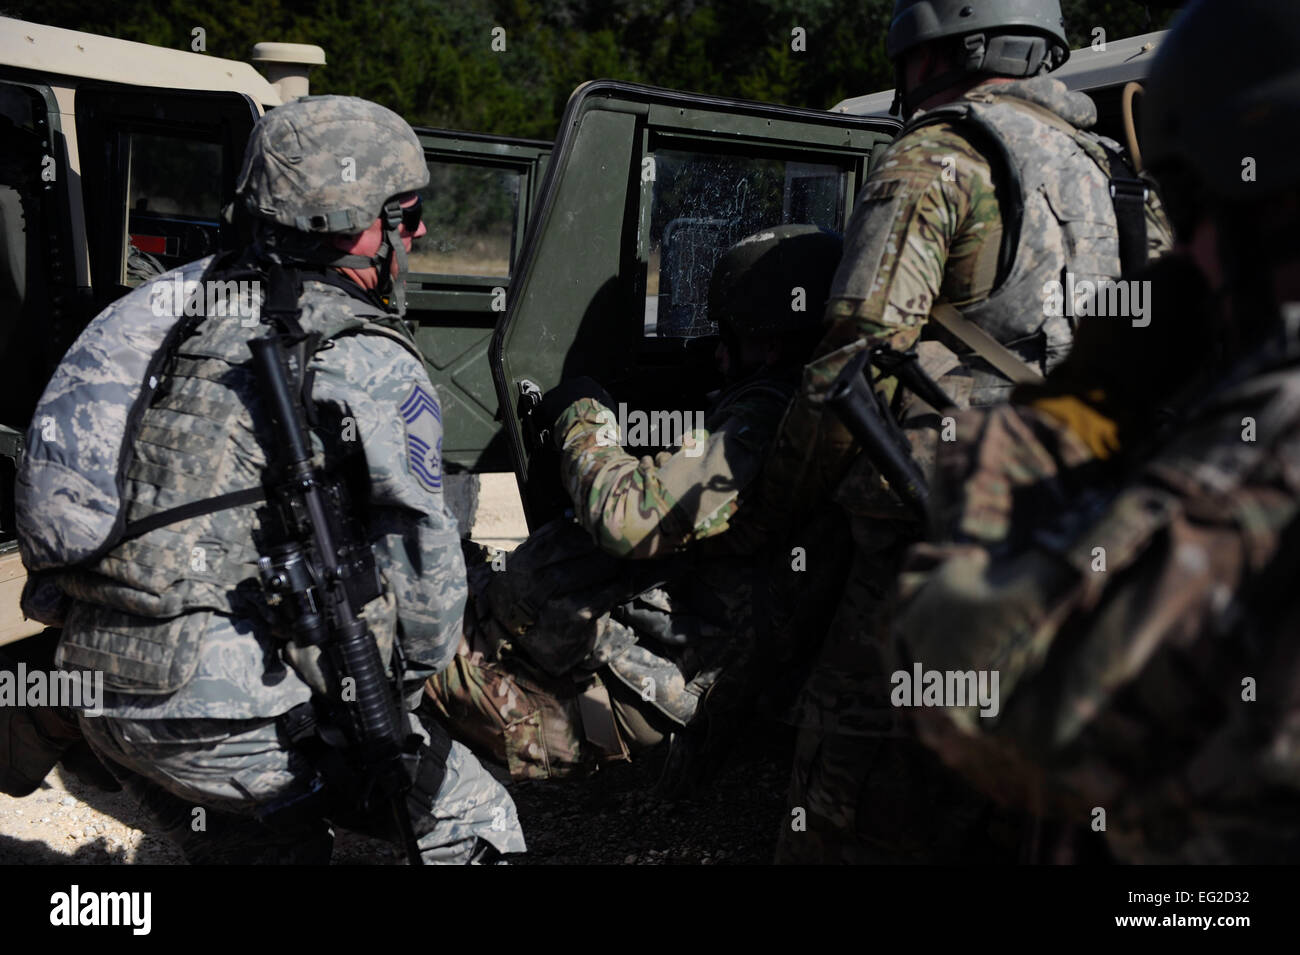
[[555, 401]]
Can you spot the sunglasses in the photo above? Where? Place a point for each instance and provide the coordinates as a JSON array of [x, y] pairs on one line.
[[411, 214]]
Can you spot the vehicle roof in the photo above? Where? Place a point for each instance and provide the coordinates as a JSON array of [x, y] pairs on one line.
[[1086, 69], [47, 49]]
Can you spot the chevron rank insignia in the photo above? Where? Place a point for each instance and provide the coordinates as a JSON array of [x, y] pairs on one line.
[[423, 424]]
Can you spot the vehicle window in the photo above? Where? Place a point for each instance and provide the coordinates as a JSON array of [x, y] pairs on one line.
[[701, 203], [173, 190], [471, 213]]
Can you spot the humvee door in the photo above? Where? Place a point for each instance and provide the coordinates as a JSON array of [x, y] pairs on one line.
[[481, 193], [646, 189]]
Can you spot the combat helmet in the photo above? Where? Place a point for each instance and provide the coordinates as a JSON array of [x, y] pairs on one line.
[[329, 165], [1224, 88], [1000, 38], [753, 287], [1220, 124]]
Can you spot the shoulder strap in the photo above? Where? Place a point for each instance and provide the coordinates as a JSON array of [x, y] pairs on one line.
[[184, 512], [763, 384], [1008, 363], [1128, 194]]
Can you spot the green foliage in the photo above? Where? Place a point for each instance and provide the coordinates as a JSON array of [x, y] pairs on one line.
[[433, 60]]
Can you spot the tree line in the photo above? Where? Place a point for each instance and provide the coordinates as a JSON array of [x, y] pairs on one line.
[[508, 66]]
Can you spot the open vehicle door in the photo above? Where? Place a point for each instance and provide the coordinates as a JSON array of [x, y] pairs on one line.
[[482, 191], [646, 189]]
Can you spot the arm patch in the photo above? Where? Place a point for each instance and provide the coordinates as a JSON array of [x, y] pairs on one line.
[[423, 423]]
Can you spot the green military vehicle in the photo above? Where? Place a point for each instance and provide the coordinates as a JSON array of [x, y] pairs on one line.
[[588, 256], [646, 188]]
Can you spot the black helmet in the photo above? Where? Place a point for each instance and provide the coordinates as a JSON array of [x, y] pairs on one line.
[[1223, 97], [774, 281]]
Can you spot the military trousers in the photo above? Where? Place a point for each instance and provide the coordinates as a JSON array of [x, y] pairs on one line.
[[236, 771], [535, 725], [863, 789]]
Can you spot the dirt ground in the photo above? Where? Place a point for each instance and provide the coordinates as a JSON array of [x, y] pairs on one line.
[[611, 818]]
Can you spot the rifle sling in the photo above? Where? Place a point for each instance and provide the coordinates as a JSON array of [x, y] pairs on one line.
[[209, 505], [1007, 363]]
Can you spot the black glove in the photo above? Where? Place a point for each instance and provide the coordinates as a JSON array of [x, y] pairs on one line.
[[555, 401]]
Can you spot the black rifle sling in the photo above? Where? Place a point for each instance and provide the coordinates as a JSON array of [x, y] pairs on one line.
[[1128, 194]]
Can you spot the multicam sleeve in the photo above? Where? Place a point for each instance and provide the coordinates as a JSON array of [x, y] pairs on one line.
[[926, 223], [639, 508], [387, 404]]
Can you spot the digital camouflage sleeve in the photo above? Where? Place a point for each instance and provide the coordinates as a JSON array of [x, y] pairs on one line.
[[394, 411], [648, 508]]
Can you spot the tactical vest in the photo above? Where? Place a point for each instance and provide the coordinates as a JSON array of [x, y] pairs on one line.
[[1054, 192], [192, 459]]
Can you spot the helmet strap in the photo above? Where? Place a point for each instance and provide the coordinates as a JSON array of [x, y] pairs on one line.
[[973, 62], [393, 248]]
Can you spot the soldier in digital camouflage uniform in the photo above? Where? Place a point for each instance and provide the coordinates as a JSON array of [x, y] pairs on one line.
[[994, 187], [200, 677], [658, 613], [1122, 542]]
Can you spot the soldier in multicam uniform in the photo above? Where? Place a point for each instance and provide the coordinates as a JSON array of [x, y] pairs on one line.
[[993, 189], [1122, 541], [658, 613], [203, 686]]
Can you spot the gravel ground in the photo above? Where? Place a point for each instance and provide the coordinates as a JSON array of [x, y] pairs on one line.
[[610, 818], [65, 821]]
